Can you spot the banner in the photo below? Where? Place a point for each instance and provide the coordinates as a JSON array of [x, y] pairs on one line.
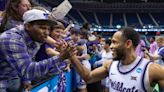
[[51, 85], [61, 11]]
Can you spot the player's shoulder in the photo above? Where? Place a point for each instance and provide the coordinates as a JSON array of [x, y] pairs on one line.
[[155, 71], [155, 67]]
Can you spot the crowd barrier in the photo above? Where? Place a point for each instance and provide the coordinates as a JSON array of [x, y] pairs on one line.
[[51, 84]]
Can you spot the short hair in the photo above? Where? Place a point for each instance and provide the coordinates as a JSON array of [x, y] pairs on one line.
[[99, 37], [75, 31], [160, 40], [62, 21], [108, 41], [86, 26], [153, 37], [130, 34], [58, 26]]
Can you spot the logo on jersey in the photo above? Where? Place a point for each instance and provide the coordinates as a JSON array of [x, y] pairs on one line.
[[138, 70], [113, 74], [45, 15], [119, 86], [133, 78]]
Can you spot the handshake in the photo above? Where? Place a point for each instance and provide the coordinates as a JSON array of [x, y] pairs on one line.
[[67, 49]]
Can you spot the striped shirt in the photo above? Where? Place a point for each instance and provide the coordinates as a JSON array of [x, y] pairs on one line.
[[17, 52]]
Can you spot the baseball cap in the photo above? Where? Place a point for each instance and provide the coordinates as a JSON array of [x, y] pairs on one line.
[[75, 30], [36, 15]]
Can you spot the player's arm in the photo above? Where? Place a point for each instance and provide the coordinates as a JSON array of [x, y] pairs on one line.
[[90, 76], [156, 74]]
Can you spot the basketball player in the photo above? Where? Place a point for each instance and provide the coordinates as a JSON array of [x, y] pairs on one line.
[[129, 72]]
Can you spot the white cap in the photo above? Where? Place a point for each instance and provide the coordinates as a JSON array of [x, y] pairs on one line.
[[35, 14]]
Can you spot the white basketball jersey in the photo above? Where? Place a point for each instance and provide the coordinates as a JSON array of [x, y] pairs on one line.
[[129, 78]]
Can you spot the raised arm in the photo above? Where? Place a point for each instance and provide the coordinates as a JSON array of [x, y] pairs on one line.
[[90, 76]]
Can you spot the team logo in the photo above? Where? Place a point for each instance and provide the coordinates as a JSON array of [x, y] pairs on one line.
[[134, 78], [113, 74], [139, 70], [46, 15], [121, 87]]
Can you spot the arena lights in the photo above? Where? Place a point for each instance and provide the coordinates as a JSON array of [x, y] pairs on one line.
[[148, 28], [73, 25], [118, 26], [139, 30]]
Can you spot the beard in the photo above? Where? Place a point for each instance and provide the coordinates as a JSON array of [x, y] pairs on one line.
[[119, 54]]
